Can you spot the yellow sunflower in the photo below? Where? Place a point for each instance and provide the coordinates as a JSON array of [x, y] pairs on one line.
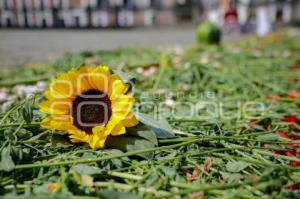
[[90, 104]]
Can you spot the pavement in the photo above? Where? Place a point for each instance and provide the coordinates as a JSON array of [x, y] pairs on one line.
[[32, 46], [20, 47]]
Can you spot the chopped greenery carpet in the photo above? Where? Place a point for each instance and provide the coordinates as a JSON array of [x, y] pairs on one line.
[[229, 106]]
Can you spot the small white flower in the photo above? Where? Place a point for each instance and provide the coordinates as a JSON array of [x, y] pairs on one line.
[[216, 64], [41, 86], [185, 87], [139, 70], [3, 95], [286, 54], [6, 105], [25, 90], [170, 102], [160, 91], [150, 71], [205, 58]]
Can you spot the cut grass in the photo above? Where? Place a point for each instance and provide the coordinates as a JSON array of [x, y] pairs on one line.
[[216, 145]]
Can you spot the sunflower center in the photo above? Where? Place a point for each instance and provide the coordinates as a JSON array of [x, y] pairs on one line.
[[90, 109]]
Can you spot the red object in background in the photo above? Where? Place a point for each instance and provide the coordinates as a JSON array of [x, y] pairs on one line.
[[293, 152], [279, 152], [294, 186], [296, 65], [252, 123], [291, 79], [264, 124], [231, 15], [273, 97], [282, 134], [294, 95], [294, 163], [290, 119]]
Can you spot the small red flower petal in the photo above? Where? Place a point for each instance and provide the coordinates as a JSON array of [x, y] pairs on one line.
[[296, 65], [294, 163], [273, 97], [291, 153], [52, 187], [282, 134], [294, 186], [292, 79], [290, 119], [297, 138], [252, 123], [294, 95], [279, 152]]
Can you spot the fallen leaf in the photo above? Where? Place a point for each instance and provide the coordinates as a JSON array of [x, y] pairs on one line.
[[291, 79], [294, 95], [273, 98], [194, 175], [196, 195], [207, 164]]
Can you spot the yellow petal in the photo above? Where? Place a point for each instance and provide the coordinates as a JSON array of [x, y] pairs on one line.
[[122, 106], [112, 123], [56, 107], [118, 130], [79, 136], [83, 80], [99, 78], [99, 130], [61, 88], [130, 120], [64, 86], [97, 143], [116, 87], [59, 123]]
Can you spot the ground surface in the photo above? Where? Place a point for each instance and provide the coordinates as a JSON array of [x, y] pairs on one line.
[[32, 46], [233, 111]]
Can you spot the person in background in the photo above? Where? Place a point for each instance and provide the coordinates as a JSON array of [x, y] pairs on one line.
[[246, 16], [231, 24], [263, 20]]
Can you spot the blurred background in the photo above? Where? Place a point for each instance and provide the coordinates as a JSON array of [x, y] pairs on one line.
[[41, 30]]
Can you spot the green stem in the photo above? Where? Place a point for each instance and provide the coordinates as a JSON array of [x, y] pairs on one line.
[[9, 112], [254, 161], [236, 137], [25, 80], [131, 153], [126, 187], [196, 188], [124, 175], [278, 155], [18, 124]]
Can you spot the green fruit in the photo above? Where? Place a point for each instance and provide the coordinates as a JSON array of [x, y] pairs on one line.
[[208, 33]]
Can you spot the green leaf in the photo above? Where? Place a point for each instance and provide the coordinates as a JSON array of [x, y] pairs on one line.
[[85, 169], [268, 137], [27, 110], [83, 179], [6, 163], [165, 60], [237, 166], [112, 194], [168, 171], [161, 128], [124, 76], [143, 132], [130, 143], [60, 140]]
